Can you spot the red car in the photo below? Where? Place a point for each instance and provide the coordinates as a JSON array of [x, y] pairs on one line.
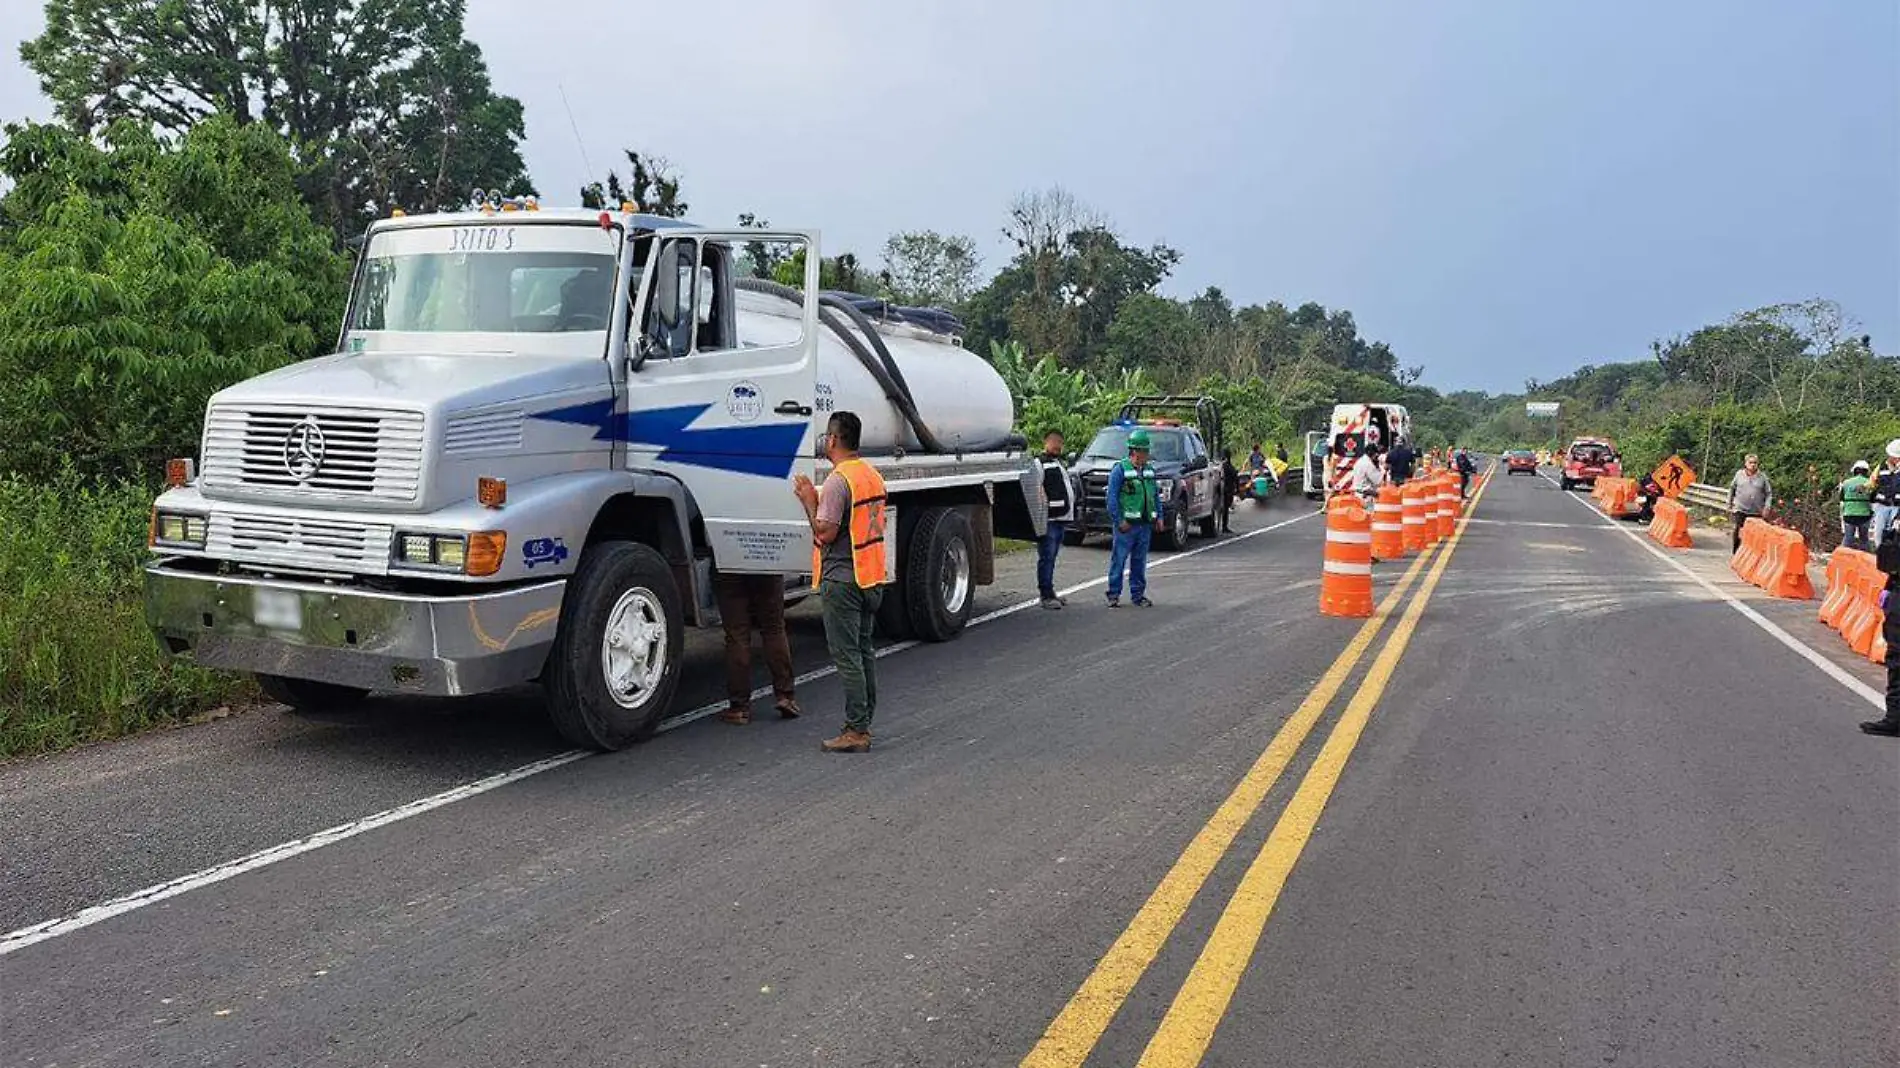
[[1520, 460], [1588, 459]]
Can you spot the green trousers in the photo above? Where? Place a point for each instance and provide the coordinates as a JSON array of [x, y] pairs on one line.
[[850, 619]]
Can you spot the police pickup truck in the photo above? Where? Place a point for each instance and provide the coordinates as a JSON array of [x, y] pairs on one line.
[[1185, 457]]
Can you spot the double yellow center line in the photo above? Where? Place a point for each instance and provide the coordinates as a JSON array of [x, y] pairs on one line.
[[1188, 1027]]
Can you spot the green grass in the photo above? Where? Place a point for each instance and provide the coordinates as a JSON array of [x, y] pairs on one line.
[[76, 660]]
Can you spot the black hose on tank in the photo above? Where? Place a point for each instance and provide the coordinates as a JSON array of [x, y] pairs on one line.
[[883, 369]]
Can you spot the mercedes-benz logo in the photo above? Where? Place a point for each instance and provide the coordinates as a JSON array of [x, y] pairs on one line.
[[303, 448]]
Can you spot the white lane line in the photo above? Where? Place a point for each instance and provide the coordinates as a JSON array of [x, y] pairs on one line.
[[1801, 648], [151, 895], [263, 858]]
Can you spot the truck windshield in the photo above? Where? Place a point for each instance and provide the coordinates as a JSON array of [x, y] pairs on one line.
[[507, 278], [1111, 443]]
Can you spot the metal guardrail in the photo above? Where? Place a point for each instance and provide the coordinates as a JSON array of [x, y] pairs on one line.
[[1703, 495]]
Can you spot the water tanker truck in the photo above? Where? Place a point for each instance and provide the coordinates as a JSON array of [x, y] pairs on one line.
[[541, 435]]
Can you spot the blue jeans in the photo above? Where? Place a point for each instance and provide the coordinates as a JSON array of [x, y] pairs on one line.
[[1884, 515], [1046, 551], [1131, 551]]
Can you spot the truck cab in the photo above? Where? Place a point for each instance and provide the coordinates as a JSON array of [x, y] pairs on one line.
[[541, 435], [1185, 457]]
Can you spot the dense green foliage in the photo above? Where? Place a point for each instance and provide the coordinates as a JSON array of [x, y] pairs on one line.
[[383, 102], [137, 278], [80, 663]]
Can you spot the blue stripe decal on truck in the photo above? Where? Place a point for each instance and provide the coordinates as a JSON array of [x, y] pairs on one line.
[[767, 450]]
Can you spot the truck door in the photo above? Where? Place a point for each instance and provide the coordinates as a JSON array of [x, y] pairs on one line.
[[721, 386], [1202, 477]]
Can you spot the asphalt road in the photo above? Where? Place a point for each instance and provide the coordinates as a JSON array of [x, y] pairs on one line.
[[1568, 807]]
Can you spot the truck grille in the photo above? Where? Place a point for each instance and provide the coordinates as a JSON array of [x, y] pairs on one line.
[[352, 452], [297, 542]]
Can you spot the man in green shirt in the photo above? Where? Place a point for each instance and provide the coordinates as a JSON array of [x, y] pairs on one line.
[[1857, 508], [1134, 505]]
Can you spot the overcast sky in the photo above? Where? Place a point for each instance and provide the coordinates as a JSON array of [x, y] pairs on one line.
[[1500, 189]]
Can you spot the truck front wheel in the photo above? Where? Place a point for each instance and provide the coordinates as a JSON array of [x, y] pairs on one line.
[[615, 664], [308, 698], [938, 579]]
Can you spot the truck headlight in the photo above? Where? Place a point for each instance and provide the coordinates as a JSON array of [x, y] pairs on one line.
[[178, 530], [478, 554]]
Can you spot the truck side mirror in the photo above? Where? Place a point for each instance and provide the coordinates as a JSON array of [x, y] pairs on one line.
[[643, 349], [665, 304]]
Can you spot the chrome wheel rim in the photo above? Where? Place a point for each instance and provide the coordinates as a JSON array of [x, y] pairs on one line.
[[953, 584], [633, 649]]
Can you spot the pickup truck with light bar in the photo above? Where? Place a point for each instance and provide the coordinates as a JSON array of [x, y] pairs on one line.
[[542, 434]]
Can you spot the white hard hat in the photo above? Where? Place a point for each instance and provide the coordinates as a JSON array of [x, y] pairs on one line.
[[1893, 448], [1860, 465]]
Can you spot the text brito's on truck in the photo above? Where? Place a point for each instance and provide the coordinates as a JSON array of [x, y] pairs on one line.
[[541, 434]]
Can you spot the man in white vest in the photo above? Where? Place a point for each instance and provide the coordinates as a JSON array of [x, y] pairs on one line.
[[1057, 486]]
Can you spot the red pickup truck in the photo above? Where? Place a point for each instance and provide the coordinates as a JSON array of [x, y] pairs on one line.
[[1588, 459]]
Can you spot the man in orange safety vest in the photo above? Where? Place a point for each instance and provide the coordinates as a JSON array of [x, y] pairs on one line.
[[849, 566]]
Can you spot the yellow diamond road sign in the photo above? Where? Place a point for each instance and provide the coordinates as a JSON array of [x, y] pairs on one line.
[[1674, 476]]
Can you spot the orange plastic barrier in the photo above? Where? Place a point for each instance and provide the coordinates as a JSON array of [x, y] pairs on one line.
[[1616, 497], [1415, 537], [1774, 558], [1345, 582], [1852, 605], [1447, 505], [1670, 527], [1840, 596], [1388, 524]]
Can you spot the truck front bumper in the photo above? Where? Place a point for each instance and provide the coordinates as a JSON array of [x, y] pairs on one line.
[[440, 646]]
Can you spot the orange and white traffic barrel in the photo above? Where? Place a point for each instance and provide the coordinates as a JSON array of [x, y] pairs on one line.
[[1345, 584], [1419, 532], [1447, 505], [1388, 524]]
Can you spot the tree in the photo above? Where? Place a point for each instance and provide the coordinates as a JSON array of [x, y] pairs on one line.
[[1153, 332], [125, 305], [925, 267], [1212, 310], [761, 257], [652, 185], [841, 272], [384, 102]]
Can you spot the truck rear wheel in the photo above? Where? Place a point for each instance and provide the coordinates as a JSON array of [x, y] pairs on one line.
[[1210, 527], [938, 578], [615, 664], [309, 698]]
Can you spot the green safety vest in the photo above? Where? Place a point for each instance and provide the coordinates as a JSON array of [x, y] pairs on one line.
[[1857, 499], [1140, 501]]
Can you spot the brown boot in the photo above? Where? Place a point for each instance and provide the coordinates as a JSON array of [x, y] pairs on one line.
[[738, 717], [788, 708], [849, 742]]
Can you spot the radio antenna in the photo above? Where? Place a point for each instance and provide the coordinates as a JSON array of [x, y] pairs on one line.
[[576, 127]]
